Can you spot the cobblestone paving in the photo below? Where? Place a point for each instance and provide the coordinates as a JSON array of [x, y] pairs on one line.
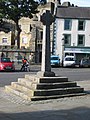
[[13, 98], [18, 100]]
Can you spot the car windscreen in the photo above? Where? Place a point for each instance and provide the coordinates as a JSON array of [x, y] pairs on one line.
[[54, 58], [5, 60], [69, 59], [86, 61]]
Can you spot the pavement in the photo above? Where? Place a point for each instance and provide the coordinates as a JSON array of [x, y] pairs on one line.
[[12, 107]]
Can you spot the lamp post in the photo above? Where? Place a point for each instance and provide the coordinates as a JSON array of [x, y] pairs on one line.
[[62, 50]]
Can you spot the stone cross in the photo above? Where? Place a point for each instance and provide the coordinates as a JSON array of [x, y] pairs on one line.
[[47, 20]]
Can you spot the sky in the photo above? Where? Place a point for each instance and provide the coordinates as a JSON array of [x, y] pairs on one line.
[[80, 3]]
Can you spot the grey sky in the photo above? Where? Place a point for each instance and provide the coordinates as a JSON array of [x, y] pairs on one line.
[[83, 3]]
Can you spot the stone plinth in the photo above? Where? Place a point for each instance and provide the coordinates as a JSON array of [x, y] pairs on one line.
[[42, 88]]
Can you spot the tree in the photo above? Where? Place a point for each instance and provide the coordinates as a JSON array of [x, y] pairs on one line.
[[15, 9]]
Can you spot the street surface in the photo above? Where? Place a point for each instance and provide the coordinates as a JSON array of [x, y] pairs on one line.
[[73, 74]]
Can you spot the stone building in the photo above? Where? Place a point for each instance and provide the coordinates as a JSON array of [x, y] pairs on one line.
[[32, 31], [7, 34]]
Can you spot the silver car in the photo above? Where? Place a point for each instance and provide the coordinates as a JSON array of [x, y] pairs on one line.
[[85, 62]]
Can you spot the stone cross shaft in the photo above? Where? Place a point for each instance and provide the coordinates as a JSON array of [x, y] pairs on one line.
[[47, 20]]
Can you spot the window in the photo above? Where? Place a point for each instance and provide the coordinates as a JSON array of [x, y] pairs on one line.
[[24, 40], [30, 28], [67, 24], [5, 59], [81, 25], [67, 39], [4, 40], [81, 40], [41, 35], [69, 59], [54, 58]]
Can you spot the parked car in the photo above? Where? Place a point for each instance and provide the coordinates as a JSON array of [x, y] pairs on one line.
[[85, 62], [55, 61], [6, 64], [69, 61]]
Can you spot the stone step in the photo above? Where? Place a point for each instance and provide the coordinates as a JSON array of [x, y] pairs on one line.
[[51, 79], [45, 92], [29, 85], [34, 98], [34, 85], [23, 79], [30, 77], [53, 85], [55, 79], [25, 82], [12, 90], [23, 88], [59, 91]]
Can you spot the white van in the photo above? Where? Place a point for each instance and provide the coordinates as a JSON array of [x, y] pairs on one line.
[[69, 61]]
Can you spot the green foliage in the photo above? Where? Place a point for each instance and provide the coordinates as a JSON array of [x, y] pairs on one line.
[[15, 9]]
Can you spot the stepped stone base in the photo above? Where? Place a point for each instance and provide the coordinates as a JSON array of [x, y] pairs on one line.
[[33, 88], [45, 74]]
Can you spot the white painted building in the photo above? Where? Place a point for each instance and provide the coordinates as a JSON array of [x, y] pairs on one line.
[[72, 31]]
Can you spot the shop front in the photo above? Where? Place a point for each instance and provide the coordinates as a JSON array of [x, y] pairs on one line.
[[78, 52]]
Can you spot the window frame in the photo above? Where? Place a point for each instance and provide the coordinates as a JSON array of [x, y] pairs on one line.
[[79, 26], [4, 40], [24, 40], [67, 24], [83, 44], [69, 40]]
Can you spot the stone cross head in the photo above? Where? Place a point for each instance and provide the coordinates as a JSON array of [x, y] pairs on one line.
[[47, 18]]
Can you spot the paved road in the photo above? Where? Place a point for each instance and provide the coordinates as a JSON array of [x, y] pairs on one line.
[[73, 74], [7, 77]]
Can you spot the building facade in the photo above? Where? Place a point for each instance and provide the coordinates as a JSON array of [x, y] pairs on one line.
[[72, 32], [7, 34]]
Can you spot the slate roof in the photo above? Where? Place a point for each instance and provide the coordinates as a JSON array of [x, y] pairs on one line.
[[73, 12]]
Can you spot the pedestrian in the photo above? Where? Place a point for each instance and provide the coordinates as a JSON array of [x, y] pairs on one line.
[[2, 55]]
